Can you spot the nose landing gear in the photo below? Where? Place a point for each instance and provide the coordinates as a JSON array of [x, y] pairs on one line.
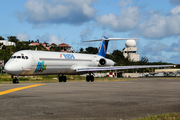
[[15, 80]]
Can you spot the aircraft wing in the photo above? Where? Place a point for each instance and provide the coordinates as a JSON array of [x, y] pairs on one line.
[[86, 69]]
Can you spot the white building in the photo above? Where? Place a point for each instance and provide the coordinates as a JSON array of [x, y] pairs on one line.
[[130, 50], [7, 43]]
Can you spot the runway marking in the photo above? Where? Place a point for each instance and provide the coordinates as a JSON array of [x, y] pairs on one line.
[[20, 88], [12, 84]]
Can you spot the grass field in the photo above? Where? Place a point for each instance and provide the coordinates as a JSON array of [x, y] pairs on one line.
[[171, 116], [5, 78]]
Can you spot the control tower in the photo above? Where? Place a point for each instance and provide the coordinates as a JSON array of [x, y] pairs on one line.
[[130, 50]]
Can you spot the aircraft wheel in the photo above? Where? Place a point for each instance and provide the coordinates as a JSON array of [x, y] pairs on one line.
[[15, 81], [92, 78], [64, 78], [89, 78], [60, 78]]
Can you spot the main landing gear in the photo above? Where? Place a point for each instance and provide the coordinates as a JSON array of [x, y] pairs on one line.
[[62, 78], [89, 78], [15, 80]]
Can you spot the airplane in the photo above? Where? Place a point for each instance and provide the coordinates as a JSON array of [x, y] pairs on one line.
[[32, 62]]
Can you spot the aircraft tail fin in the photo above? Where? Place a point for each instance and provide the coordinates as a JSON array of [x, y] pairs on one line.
[[103, 48]]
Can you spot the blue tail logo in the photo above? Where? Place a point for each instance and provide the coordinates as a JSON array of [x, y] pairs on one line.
[[104, 45]]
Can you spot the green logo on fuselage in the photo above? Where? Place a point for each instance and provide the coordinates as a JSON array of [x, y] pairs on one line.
[[40, 67]]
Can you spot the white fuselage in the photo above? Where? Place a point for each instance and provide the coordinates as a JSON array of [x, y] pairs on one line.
[[28, 62]]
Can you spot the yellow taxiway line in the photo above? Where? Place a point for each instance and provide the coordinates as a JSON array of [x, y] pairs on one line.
[[19, 88]]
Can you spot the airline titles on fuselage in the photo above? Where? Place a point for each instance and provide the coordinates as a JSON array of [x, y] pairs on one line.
[[67, 56]]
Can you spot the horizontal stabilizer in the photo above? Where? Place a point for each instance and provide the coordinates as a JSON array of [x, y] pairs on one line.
[[112, 39]]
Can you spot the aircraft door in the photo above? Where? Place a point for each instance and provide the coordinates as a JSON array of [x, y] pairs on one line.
[[31, 57]]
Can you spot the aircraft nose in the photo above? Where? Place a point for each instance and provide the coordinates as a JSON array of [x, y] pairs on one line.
[[12, 68], [17, 67], [8, 67]]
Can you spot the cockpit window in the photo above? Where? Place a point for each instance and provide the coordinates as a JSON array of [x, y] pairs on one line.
[[23, 57]]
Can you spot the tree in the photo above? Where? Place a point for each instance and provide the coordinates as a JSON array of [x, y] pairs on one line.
[[32, 41], [37, 41], [119, 59], [13, 39], [54, 45], [92, 50], [81, 50], [19, 46], [5, 53], [144, 61], [1, 38]]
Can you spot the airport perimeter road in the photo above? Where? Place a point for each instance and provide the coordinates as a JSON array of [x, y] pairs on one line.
[[89, 101]]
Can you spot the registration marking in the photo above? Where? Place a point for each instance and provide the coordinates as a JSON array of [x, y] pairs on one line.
[[19, 88]]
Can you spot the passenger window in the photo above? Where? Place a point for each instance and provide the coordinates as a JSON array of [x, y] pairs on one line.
[[14, 56], [26, 57], [18, 56]]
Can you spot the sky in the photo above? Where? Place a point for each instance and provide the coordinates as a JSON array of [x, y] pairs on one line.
[[155, 22]]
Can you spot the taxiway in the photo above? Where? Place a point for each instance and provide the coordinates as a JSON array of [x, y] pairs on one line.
[[91, 101]]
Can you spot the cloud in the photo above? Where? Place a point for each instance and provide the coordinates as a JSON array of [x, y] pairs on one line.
[[128, 19], [73, 12], [107, 34], [175, 58], [151, 24], [124, 3], [158, 26], [157, 51], [55, 39], [153, 50], [175, 2], [158, 58], [22, 37], [85, 34], [174, 47], [50, 38]]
